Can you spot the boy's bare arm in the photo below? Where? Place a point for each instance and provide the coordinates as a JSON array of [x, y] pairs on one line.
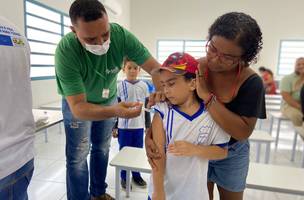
[[184, 148], [212, 152], [159, 172]]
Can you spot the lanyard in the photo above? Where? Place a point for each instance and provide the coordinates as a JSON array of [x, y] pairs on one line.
[[234, 87]]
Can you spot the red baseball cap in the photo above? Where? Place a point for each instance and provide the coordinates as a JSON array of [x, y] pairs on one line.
[[180, 63]]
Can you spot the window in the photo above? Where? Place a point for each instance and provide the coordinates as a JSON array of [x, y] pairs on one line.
[[44, 27], [290, 50], [196, 48]]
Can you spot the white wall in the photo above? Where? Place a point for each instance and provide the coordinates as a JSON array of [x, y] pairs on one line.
[[45, 91], [180, 19]]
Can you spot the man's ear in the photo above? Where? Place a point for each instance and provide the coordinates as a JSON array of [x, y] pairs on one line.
[[73, 29]]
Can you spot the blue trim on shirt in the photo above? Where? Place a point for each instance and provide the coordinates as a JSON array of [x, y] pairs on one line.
[[125, 90], [223, 145], [161, 114], [195, 115], [134, 82], [171, 125], [5, 40], [167, 128]]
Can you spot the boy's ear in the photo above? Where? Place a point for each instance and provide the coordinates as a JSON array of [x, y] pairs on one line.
[[193, 84]]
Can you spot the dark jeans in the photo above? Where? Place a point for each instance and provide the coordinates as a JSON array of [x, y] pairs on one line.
[[82, 138], [14, 186]]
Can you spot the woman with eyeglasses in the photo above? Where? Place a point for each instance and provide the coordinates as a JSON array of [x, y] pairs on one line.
[[235, 98]]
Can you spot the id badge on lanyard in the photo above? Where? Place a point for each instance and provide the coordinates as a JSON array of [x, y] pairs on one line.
[[105, 93]]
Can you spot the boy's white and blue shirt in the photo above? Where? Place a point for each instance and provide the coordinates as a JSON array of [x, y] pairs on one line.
[[137, 91], [186, 177]]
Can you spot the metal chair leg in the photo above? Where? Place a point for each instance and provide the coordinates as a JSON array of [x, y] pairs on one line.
[[294, 145]]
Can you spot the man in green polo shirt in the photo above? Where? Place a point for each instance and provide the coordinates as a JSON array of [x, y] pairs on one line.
[[87, 63], [290, 87]]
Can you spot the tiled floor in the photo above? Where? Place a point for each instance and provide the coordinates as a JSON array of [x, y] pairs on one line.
[[48, 182]]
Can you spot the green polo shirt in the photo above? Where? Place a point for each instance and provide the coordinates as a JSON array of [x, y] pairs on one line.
[[288, 84], [79, 71]]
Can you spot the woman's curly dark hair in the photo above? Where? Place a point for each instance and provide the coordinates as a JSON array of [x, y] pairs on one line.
[[243, 29]]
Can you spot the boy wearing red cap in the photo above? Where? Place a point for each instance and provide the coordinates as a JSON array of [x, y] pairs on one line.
[[183, 122]]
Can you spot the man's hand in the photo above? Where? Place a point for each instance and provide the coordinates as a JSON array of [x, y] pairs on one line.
[[156, 97], [151, 148], [128, 109], [115, 133], [182, 148]]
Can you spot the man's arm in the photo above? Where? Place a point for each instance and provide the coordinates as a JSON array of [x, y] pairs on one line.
[[81, 109], [149, 66]]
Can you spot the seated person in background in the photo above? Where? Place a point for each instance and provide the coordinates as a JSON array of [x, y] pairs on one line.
[[262, 71], [269, 83], [302, 102], [290, 87], [183, 122], [131, 131]]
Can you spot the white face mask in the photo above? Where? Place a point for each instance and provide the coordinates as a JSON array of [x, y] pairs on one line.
[[98, 49]]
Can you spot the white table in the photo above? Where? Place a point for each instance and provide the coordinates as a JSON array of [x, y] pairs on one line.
[[262, 137], [55, 117], [276, 178], [129, 159], [299, 130], [52, 106], [260, 176], [56, 105]]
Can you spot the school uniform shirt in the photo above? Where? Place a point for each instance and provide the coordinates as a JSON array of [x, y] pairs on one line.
[[16, 119], [186, 177], [132, 92]]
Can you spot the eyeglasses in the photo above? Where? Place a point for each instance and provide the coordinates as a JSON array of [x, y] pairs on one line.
[[225, 59]]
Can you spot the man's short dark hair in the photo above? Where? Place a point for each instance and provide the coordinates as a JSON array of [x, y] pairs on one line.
[[87, 10]]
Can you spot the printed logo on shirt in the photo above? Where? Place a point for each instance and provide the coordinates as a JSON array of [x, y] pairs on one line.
[[9, 37], [115, 70], [8, 31], [5, 40], [204, 131], [18, 42]]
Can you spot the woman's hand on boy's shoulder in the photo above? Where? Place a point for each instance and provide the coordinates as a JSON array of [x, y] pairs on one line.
[[151, 148], [201, 79], [155, 98]]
